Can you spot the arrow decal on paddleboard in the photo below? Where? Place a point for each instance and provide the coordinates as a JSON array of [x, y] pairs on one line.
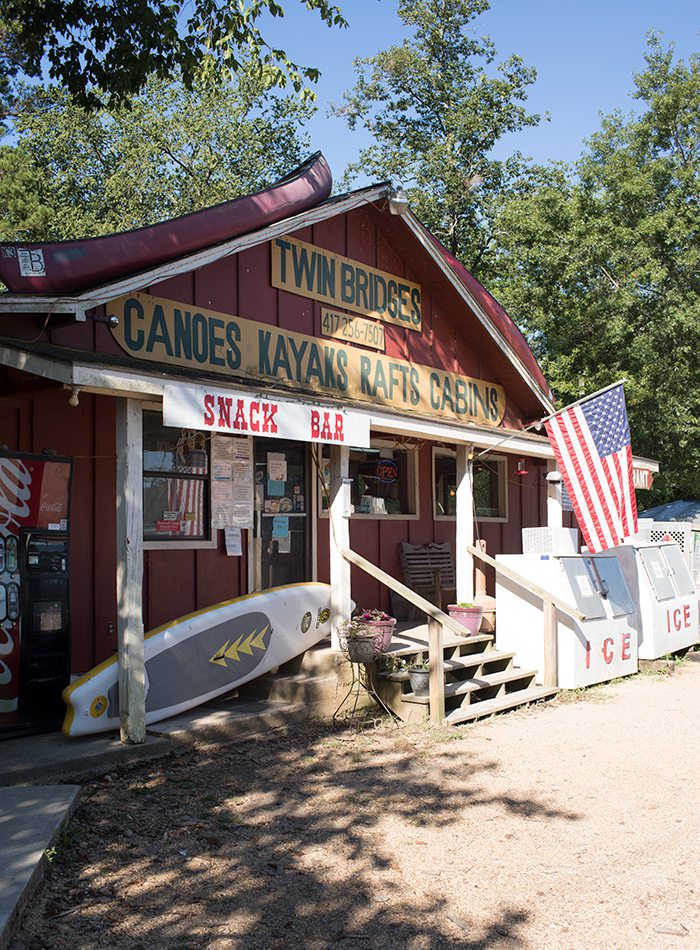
[[232, 651]]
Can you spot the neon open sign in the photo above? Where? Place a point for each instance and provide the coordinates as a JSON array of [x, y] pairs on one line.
[[387, 471]]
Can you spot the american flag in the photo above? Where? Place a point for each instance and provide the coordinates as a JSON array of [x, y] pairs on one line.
[[592, 446]]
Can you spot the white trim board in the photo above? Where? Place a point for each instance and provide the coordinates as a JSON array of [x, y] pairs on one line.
[[114, 382]]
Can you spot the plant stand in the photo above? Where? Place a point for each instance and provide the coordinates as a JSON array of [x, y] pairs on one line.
[[361, 686]]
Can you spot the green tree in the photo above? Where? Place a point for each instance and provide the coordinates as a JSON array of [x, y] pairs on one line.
[[103, 51], [600, 264], [168, 151], [436, 106]]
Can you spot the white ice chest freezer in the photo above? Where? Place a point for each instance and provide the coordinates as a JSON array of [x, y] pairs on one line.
[[664, 591], [600, 647]]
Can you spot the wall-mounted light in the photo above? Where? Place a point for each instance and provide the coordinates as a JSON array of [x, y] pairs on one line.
[[398, 203], [522, 467], [74, 396], [109, 319]]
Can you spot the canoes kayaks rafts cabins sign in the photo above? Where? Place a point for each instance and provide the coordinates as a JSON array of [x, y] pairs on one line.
[[206, 654], [165, 331]]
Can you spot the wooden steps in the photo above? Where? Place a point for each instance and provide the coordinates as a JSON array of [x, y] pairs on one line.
[[469, 662], [490, 706], [479, 680], [462, 687]]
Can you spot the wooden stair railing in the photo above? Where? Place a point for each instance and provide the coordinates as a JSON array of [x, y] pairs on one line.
[[550, 605], [437, 620]]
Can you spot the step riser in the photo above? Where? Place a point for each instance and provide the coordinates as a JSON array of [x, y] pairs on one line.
[[320, 694]]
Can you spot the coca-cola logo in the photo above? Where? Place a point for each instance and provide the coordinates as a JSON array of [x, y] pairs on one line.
[[54, 507], [15, 492]]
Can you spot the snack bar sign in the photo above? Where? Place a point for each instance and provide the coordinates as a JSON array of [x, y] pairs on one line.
[[199, 407]]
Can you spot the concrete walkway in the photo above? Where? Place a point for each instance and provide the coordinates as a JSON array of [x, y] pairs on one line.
[[32, 813], [36, 760], [30, 821]]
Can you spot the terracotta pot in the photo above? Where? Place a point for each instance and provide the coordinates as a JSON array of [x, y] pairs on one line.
[[383, 629], [469, 617]]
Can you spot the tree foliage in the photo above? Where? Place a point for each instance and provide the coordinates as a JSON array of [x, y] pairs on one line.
[[436, 106], [103, 51], [168, 151], [601, 265]]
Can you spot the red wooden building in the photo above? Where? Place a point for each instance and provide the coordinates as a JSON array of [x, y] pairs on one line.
[[345, 307]]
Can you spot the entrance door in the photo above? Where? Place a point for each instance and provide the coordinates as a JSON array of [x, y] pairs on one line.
[[281, 544]]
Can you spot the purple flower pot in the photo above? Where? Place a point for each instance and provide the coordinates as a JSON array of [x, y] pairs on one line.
[[383, 629]]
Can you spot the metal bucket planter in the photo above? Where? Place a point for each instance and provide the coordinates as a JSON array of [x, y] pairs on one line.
[[356, 641], [361, 649], [419, 680]]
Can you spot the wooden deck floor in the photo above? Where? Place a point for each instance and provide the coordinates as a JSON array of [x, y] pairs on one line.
[[410, 636]]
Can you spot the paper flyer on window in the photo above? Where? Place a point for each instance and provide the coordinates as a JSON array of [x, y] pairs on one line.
[[232, 482]]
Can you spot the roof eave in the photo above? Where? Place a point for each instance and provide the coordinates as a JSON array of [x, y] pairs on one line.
[[96, 296], [416, 228]]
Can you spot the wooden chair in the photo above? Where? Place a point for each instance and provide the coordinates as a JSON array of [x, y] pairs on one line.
[[429, 570]]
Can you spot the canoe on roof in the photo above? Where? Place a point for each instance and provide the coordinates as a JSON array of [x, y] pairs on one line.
[[65, 267]]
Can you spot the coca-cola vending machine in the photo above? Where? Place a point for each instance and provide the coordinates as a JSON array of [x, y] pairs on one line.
[[35, 638]]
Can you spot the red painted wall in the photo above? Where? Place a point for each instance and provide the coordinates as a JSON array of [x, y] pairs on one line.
[[86, 434], [177, 582], [451, 338]]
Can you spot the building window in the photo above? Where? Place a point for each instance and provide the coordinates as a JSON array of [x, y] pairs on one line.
[[489, 486], [383, 482], [175, 482]]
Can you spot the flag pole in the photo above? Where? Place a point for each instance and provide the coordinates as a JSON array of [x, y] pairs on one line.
[[583, 399], [540, 422], [533, 425]]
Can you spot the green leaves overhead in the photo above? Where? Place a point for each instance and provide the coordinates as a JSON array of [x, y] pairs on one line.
[[167, 152], [103, 51], [601, 266], [436, 106]]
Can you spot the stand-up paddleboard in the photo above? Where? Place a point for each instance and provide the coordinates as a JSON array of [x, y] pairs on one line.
[[206, 654]]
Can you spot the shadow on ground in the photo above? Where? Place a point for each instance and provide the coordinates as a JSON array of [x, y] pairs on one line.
[[286, 841]]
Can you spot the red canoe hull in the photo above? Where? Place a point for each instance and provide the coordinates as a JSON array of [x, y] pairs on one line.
[[66, 267]]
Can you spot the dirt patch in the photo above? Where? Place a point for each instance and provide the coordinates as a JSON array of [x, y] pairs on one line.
[[566, 825]]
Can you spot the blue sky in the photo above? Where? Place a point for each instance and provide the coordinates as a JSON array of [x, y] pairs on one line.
[[585, 54]]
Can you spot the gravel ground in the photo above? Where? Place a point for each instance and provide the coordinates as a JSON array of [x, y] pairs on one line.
[[570, 824]]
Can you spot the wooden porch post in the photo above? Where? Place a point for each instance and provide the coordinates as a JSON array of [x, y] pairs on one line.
[[339, 538], [436, 680], [464, 563], [132, 700]]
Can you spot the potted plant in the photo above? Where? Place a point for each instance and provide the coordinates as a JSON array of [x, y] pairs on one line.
[[379, 623], [359, 643], [468, 614], [419, 676]]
